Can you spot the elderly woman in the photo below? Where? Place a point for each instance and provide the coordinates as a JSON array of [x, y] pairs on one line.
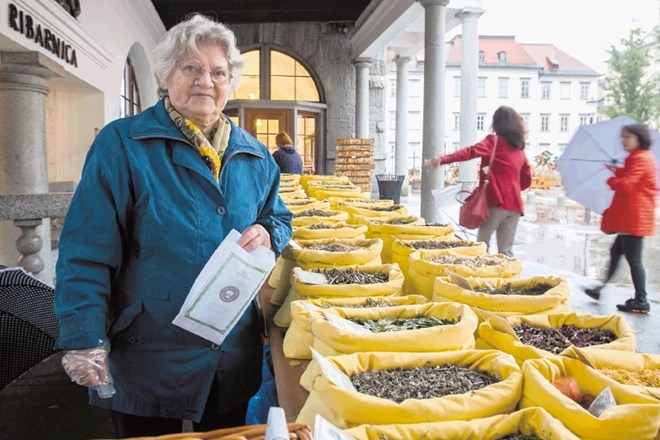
[[159, 192]]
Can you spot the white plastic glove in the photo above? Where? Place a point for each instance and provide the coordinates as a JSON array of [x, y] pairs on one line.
[[89, 368]]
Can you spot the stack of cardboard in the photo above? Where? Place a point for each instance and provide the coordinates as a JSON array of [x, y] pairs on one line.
[[354, 158]]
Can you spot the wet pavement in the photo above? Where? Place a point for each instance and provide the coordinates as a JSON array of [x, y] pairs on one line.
[[45, 404]]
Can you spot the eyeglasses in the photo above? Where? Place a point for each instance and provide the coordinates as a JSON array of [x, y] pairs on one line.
[[218, 76]]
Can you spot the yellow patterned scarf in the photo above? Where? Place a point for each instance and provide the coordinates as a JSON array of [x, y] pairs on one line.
[[209, 154]]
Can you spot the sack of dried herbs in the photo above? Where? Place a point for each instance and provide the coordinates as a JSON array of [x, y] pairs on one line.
[[355, 284], [401, 249], [403, 228], [424, 266], [298, 337], [323, 190], [375, 212], [550, 335], [420, 387], [508, 296], [528, 423], [640, 371], [328, 252], [315, 216], [413, 328], [298, 205], [635, 416], [319, 231], [309, 179], [338, 203]]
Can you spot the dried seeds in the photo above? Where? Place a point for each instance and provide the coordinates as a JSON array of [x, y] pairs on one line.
[[320, 226], [436, 244], [335, 247], [368, 302], [556, 340], [386, 208], [508, 289], [399, 384], [352, 276], [395, 324], [520, 437], [643, 377], [400, 221], [473, 262], [313, 213]]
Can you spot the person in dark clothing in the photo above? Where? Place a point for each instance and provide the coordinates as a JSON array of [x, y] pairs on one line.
[[286, 156]]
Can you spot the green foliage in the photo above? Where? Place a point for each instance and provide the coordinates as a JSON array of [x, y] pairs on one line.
[[630, 84]]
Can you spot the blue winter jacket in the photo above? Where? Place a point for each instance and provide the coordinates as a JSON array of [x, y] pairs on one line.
[[146, 216]]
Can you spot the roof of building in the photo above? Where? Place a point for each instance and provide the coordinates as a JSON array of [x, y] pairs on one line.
[[505, 51]]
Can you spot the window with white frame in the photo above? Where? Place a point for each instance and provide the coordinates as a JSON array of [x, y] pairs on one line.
[[545, 122], [481, 121], [525, 117], [457, 121], [501, 56], [481, 87], [457, 86], [502, 87], [563, 122], [415, 121], [585, 119], [565, 90], [392, 121], [546, 89], [393, 88], [524, 88], [585, 88]]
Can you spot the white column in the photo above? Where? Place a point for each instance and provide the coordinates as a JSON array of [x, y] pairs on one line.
[[23, 168], [362, 66], [433, 135], [469, 81], [401, 140]]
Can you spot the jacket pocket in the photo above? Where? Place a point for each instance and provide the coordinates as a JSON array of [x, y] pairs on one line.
[[125, 318]]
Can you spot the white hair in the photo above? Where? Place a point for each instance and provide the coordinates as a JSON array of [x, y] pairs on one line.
[[182, 41]]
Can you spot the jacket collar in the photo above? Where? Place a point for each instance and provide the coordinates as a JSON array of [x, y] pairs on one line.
[[154, 122]]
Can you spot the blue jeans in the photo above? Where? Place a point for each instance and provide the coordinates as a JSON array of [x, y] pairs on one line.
[[629, 246]]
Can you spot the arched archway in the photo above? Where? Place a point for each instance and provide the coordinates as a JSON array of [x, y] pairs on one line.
[[280, 92]]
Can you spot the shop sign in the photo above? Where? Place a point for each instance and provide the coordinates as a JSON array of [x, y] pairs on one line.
[[24, 23]]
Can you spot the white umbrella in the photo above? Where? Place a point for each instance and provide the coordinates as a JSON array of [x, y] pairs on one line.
[[582, 164]]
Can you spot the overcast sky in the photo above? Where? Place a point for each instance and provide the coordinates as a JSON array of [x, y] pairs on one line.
[[584, 29]]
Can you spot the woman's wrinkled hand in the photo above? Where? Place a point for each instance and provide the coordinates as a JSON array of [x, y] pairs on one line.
[[253, 237]]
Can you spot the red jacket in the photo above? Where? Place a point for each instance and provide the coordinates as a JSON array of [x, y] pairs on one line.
[[635, 187], [509, 175]]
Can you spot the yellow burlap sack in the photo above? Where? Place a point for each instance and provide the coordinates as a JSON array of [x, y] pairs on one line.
[[375, 212], [619, 360], [422, 272], [306, 180], [401, 249], [307, 217], [299, 338], [530, 421], [334, 230], [298, 254], [298, 205], [300, 290], [388, 231], [494, 335], [289, 178], [636, 416], [337, 203], [347, 408], [326, 193], [287, 194], [286, 187], [330, 340], [554, 300]]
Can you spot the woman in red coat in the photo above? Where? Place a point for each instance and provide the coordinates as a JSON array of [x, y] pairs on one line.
[[509, 175], [632, 212]]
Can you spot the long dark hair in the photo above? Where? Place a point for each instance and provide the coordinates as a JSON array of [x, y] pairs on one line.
[[510, 125]]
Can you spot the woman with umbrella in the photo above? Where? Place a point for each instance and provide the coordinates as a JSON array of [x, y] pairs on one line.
[[631, 215]]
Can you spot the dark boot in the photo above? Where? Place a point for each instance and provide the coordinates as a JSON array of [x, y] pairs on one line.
[[594, 293], [634, 306]]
